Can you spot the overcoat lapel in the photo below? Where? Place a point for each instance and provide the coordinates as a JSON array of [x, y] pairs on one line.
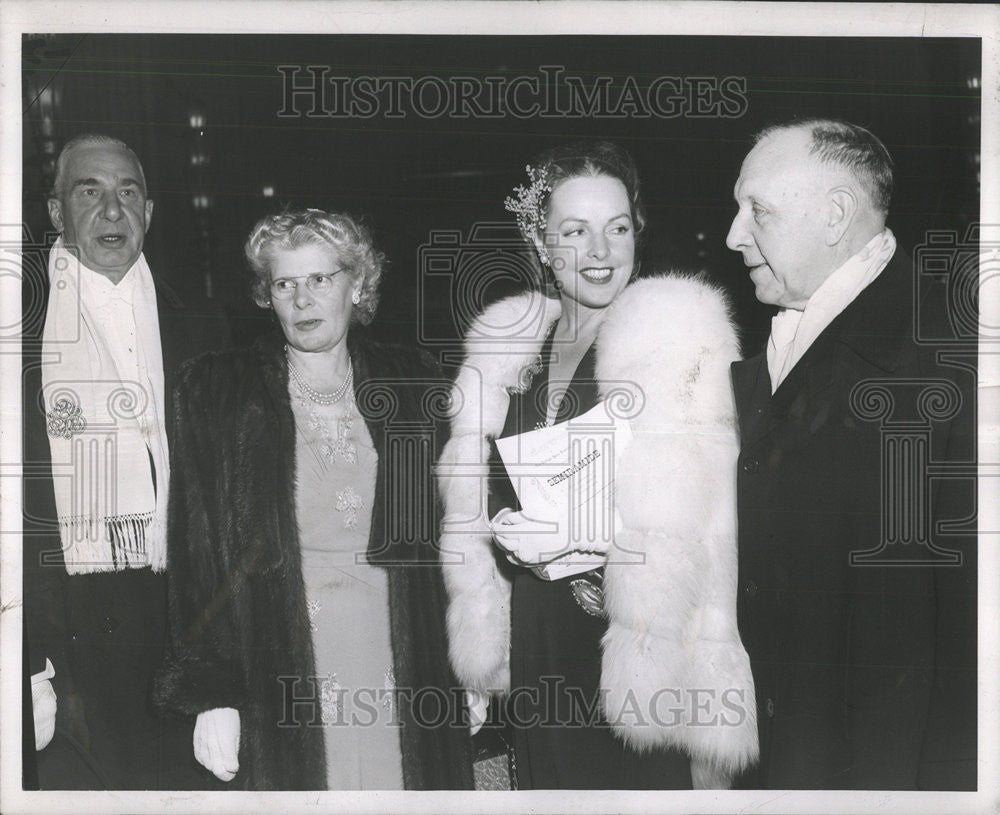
[[871, 328], [170, 310], [752, 392], [806, 382]]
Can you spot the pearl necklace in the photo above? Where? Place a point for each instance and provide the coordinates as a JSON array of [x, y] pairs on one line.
[[319, 397]]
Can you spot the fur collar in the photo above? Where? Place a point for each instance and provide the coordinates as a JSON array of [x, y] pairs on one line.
[[663, 354]]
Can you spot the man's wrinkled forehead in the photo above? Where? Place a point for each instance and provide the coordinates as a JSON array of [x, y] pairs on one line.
[[90, 181], [782, 159], [91, 164]]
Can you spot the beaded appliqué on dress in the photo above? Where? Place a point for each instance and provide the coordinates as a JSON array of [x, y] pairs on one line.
[[389, 686], [331, 700], [349, 502], [334, 448], [313, 608]]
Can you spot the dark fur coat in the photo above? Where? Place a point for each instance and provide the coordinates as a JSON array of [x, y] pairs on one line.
[[238, 607]]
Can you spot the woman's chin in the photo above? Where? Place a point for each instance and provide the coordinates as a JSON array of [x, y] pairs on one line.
[[309, 343], [595, 296]]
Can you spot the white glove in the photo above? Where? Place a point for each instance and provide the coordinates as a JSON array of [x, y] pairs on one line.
[[531, 543], [43, 706], [478, 703], [217, 742]]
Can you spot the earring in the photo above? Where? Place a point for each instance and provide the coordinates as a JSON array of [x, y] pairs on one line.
[[356, 297], [543, 255]]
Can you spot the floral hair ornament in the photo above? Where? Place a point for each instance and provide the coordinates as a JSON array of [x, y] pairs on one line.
[[526, 204]]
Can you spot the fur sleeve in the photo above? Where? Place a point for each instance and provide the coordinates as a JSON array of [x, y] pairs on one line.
[[199, 673], [500, 345], [672, 645]]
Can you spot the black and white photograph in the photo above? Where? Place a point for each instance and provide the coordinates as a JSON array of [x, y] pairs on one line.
[[499, 406]]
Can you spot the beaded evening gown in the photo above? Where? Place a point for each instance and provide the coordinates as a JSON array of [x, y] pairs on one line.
[[348, 599], [560, 739]]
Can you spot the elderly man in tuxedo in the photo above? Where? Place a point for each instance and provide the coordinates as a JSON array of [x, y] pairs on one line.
[[96, 476], [859, 615]]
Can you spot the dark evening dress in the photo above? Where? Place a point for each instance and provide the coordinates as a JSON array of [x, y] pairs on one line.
[[561, 740]]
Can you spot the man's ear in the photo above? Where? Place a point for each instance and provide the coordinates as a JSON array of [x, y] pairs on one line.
[[842, 206], [149, 213], [55, 214]]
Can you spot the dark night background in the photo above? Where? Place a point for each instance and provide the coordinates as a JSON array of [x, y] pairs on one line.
[[413, 176]]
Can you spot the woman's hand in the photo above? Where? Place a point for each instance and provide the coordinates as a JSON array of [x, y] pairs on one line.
[[217, 742], [478, 704], [527, 542], [532, 543]]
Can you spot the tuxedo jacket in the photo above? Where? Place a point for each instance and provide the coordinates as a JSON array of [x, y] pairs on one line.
[[89, 625], [857, 548]]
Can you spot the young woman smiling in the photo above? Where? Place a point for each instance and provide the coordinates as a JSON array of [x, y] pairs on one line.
[[631, 675]]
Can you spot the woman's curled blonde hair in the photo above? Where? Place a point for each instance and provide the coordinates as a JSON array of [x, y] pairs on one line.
[[292, 229]]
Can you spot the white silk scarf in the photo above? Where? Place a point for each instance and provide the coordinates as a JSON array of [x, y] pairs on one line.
[[792, 331], [104, 425]]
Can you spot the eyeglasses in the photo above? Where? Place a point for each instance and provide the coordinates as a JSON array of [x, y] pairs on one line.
[[319, 284]]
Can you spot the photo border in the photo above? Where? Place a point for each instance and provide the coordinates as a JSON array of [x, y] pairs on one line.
[[467, 18]]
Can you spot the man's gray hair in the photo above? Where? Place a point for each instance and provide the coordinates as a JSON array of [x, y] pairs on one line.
[[85, 140], [853, 147]]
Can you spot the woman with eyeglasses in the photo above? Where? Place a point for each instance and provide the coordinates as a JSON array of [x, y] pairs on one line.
[[308, 635]]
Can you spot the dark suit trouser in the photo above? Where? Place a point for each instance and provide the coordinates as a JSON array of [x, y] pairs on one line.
[[108, 734]]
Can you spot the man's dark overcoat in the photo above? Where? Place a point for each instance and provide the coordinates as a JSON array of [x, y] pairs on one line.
[[105, 633], [865, 670], [238, 607]]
